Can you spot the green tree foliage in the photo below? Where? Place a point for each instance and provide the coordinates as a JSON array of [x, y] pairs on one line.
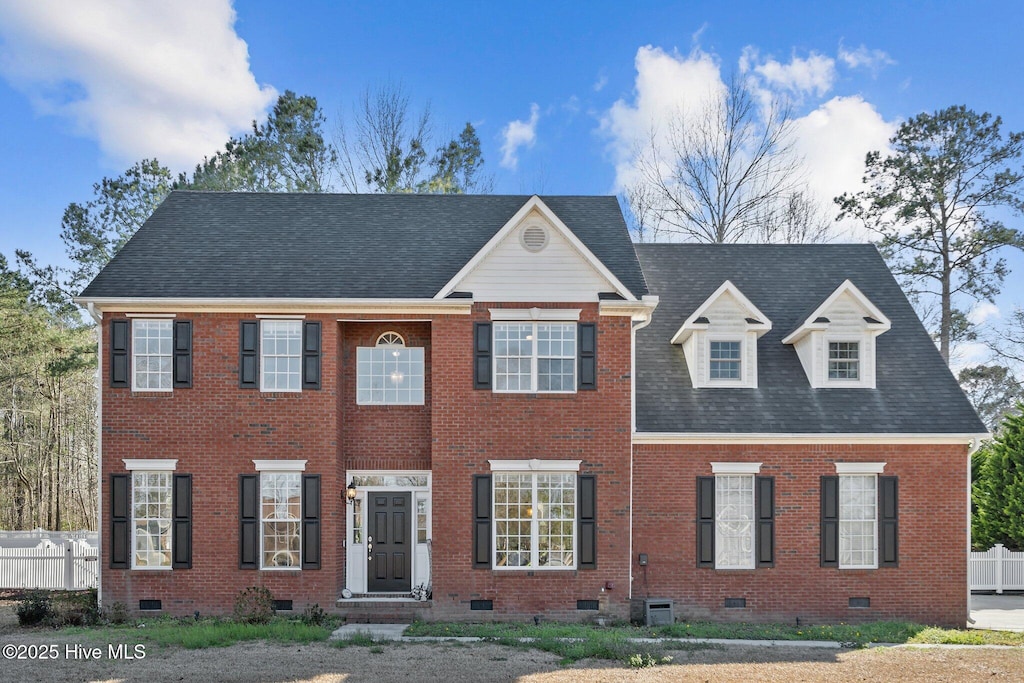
[[934, 202], [384, 148], [47, 410], [993, 391], [998, 491], [287, 153]]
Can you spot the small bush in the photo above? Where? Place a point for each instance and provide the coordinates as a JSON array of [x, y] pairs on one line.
[[34, 608], [74, 609], [314, 615], [116, 614], [254, 605]]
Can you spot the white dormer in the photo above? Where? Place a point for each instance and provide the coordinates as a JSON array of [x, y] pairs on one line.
[[720, 340], [836, 342]]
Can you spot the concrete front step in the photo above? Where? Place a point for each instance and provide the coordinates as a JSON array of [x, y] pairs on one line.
[[383, 610]]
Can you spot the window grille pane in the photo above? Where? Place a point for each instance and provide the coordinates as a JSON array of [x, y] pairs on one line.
[[421, 520], [280, 495], [858, 496], [725, 360], [281, 354], [734, 527], [390, 375], [151, 512], [513, 516], [151, 354], [843, 360]]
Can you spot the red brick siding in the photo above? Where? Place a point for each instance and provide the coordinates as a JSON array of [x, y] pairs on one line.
[[929, 586], [471, 426]]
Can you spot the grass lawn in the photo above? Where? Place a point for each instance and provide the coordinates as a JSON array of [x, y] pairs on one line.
[[191, 634]]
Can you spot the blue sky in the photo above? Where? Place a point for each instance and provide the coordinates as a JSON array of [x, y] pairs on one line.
[[556, 90]]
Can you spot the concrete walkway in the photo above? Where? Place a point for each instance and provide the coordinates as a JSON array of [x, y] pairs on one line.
[[998, 612]]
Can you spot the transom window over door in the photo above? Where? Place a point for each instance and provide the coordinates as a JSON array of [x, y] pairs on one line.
[[390, 373], [535, 357]]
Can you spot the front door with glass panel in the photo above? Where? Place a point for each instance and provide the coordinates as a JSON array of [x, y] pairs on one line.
[[389, 542]]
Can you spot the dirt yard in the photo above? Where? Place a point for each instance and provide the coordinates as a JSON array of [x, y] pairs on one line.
[[453, 662]]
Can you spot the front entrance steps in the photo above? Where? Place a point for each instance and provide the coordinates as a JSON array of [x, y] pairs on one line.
[[375, 631], [387, 608]]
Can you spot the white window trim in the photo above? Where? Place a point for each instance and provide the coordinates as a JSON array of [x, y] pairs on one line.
[[280, 465], [534, 314], [738, 382], [735, 468], [159, 466], [535, 465], [153, 465], [534, 364], [154, 316], [862, 342], [262, 369], [534, 525], [378, 345], [131, 357], [861, 469]]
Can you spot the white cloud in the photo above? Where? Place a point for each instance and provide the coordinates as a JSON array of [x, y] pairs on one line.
[[602, 80], [164, 80], [864, 57], [982, 312], [518, 134], [815, 74], [833, 138]]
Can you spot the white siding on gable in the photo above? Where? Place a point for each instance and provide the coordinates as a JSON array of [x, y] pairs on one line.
[[727, 321], [556, 273], [846, 324]]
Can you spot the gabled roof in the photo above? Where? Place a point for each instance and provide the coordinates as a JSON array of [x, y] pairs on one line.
[[698, 320], [916, 393], [874, 319], [535, 203], [206, 245]]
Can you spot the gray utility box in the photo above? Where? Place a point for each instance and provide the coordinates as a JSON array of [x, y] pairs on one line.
[[658, 612]]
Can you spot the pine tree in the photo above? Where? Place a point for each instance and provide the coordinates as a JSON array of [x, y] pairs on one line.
[[999, 491]]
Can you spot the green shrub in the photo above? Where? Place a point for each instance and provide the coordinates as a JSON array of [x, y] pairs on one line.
[[314, 615], [34, 608], [74, 609], [117, 613], [254, 605]]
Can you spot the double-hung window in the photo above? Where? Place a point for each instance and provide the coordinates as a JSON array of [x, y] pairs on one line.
[[535, 357], [858, 520], [859, 517], [152, 352], [151, 519], [735, 517], [280, 355], [734, 521], [534, 516], [725, 360], [280, 518], [844, 360]]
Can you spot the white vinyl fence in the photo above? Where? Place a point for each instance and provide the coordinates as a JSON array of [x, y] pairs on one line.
[[33, 560], [997, 569]]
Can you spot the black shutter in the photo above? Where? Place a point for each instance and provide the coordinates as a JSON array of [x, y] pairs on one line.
[[588, 521], [311, 354], [182, 354], [181, 526], [705, 521], [888, 521], [764, 504], [119, 522], [481, 356], [587, 335], [482, 521], [311, 520], [248, 520], [120, 334], [830, 521], [249, 354]]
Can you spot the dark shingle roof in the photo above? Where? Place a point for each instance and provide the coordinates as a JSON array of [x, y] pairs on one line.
[[224, 244], [916, 393]]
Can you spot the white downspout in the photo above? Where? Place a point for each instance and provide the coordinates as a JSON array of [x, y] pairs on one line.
[[98, 317], [972, 448], [637, 325]]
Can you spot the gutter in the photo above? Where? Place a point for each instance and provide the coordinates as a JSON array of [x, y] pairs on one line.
[[641, 318]]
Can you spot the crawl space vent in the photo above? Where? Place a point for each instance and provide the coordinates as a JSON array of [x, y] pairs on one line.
[[534, 238], [148, 605]]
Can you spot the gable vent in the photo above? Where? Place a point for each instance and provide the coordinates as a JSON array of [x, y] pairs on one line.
[[534, 238]]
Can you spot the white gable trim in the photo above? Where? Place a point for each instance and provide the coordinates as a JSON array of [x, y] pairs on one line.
[[753, 312], [535, 203], [846, 288]]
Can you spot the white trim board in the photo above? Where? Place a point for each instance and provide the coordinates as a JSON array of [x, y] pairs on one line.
[[723, 438], [145, 305], [280, 465], [150, 464]]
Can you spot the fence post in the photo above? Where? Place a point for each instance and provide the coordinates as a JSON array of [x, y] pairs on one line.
[[999, 567], [69, 566]]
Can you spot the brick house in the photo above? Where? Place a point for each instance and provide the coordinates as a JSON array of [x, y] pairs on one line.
[[491, 407]]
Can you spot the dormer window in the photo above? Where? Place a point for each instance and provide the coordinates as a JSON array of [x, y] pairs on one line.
[[719, 340], [844, 360], [726, 360], [836, 342]]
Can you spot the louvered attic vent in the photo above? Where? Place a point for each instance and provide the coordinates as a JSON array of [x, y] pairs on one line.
[[534, 238]]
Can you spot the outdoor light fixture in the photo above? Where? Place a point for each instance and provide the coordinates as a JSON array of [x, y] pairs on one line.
[[350, 492]]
